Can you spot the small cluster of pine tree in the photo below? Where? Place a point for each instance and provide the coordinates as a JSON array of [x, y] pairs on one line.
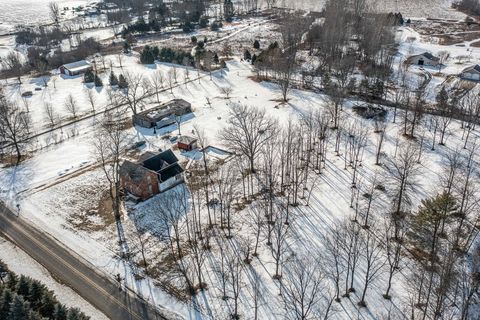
[[119, 81], [150, 54], [90, 76], [141, 26], [28, 299]]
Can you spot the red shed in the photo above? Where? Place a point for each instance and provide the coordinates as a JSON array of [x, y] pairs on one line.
[[187, 143]]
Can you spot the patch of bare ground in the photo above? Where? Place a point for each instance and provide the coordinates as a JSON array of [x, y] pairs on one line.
[[10, 160], [167, 277], [97, 217]]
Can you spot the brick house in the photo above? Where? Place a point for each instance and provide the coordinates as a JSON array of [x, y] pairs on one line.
[[151, 175]]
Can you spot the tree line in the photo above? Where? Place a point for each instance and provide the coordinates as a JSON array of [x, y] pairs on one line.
[[23, 298]]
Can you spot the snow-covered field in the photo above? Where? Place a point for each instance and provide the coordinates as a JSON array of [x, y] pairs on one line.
[[57, 188], [21, 263], [440, 9], [52, 205], [30, 12]]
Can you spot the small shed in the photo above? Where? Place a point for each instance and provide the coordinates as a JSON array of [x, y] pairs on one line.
[[424, 59], [471, 73], [75, 68], [187, 143]]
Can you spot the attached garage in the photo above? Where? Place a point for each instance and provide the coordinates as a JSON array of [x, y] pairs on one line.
[[471, 73]]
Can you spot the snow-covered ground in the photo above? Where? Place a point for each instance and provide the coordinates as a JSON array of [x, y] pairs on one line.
[[30, 12], [57, 187], [54, 205], [21, 263], [439, 9]]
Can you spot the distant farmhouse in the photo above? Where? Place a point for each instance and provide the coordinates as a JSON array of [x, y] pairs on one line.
[[471, 73], [151, 175], [162, 115], [424, 59], [75, 68]]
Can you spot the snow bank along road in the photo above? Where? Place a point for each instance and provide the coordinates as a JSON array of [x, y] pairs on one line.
[[102, 293]]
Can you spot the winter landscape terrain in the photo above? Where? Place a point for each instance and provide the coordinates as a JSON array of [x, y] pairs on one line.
[[333, 172]]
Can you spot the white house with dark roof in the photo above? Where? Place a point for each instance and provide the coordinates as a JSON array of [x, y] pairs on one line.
[[471, 73], [75, 68], [424, 59]]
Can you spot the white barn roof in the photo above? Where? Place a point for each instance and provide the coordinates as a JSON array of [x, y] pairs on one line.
[[77, 66]]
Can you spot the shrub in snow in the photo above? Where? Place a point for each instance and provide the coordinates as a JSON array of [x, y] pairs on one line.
[[98, 81], [88, 77]]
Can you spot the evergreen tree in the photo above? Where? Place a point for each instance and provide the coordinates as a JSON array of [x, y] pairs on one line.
[[75, 314], [35, 294], [3, 271], [228, 10], [216, 25], [19, 309], [194, 39], [247, 55], [256, 45], [216, 60], [113, 79], [32, 315], [60, 312], [126, 47], [430, 219], [122, 82], [23, 286], [254, 58], [155, 52], [187, 27], [48, 305], [98, 81], [6, 299], [203, 22], [147, 56], [12, 281], [89, 77], [442, 99]]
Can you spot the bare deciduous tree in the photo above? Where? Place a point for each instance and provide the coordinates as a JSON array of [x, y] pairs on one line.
[[248, 129], [14, 126], [91, 98], [302, 288], [109, 145], [71, 106], [50, 113], [403, 172], [137, 90], [54, 11], [373, 262]]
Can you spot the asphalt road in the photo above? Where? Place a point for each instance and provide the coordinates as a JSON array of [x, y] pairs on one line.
[[99, 290]]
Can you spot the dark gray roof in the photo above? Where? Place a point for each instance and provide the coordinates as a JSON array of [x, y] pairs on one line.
[[430, 56], [145, 156], [472, 68], [170, 172], [160, 161], [164, 164]]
